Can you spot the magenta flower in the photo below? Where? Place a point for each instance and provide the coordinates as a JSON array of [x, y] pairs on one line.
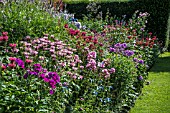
[[20, 63], [46, 79]]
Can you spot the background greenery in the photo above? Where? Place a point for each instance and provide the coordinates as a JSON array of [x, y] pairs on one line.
[[158, 10]]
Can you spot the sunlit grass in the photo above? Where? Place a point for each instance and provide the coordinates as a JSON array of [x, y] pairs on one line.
[[156, 96]]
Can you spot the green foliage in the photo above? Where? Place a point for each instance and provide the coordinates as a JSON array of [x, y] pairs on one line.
[[22, 18]]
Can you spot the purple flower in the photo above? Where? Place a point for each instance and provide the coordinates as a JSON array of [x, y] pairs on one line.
[[37, 68], [118, 45], [124, 45], [51, 92], [128, 53], [33, 73], [42, 76], [26, 75], [20, 62], [135, 60], [141, 62], [140, 78], [46, 79], [112, 49]]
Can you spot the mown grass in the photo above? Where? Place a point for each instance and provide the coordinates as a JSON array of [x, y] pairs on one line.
[[156, 96]]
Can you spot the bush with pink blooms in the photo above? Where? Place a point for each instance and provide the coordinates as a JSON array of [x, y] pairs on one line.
[[77, 69]]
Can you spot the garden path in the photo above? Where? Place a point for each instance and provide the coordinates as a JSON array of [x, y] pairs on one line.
[[156, 96]]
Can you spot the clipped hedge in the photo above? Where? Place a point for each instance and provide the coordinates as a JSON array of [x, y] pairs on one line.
[[158, 10]]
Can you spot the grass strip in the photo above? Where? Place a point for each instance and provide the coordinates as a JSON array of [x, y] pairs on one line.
[[156, 96]]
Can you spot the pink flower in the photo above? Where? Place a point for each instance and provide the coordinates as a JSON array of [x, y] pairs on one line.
[[80, 77], [81, 67], [150, 33], [1, 38], [74, 77], [15, 50], [52, 50], [12, 59], [4, 33], [27, 37], [12, 45], [74, 68], [91, 55], [3, 67], [12, 65], [5, 38], [112, 70], [107, 76], [72, 64], [28, 61]]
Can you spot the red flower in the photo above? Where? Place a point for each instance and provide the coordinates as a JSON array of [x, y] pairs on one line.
[[87, 40], [152, 43], [89, 37], [151, 46], [72, 32], [95, 41], [83, 34], [66, 26], [147, 43], [1, 38], [129, 37], [154, 38]]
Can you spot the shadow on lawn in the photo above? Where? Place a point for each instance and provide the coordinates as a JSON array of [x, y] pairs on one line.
[[162, 64]]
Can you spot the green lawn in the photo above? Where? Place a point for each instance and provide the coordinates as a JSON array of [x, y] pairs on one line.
[[156, 96]]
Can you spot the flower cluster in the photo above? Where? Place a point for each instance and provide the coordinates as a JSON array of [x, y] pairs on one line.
[[4, 37], [49, 77], [106, 72], [91, 60], [121, 49]]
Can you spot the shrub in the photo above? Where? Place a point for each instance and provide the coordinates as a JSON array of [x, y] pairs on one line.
[[22, 18]]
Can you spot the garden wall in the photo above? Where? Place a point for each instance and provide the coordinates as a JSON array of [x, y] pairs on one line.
[[158, 10]]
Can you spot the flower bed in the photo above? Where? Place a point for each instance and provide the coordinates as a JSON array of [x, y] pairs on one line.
[[95, 67]]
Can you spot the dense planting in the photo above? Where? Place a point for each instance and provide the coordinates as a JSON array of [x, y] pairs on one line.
[[90, 66]]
